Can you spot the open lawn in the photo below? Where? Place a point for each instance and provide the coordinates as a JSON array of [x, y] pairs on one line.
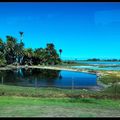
[[12, 106], [18, 101]]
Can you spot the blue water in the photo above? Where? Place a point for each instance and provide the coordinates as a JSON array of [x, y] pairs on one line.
[[99, 63], [48, 78], [97, 68], [96, 65], [77, 79]]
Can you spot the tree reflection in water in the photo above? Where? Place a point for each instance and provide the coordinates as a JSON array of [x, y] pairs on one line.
[[29, 77], [60, 76], [49, 78]]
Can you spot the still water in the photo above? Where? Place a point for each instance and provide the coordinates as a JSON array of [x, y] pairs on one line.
[[48, 78], [98, 68], [99, 63]]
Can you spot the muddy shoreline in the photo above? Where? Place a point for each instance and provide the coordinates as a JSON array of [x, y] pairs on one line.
[[11, 67]]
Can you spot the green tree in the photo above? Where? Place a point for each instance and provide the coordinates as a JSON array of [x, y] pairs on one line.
[[60, 50], [21, 36], [2, 59], [28, 54], [10, 49], [2, 45], [2, 55], [19, 52], [52, 55], [38, 56], [12, 52]]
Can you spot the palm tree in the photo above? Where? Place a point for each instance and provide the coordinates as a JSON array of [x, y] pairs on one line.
[[21, 36], [60, 50], [2, 59], [28, 54], [1, 42], [10, 49], [19, 52], [1, 45], [52, 55]]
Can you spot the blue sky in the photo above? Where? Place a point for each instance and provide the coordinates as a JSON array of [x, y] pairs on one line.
[[82, 30]]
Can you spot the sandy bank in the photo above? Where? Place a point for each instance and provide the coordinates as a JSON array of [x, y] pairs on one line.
[[11, 67]]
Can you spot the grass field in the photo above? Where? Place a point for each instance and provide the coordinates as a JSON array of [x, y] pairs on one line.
[[12, 106], [112, 92]]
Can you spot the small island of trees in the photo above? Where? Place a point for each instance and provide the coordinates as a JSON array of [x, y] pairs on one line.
[[14, 52]]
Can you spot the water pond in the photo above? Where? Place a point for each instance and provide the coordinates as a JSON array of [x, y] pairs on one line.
[[48, 78], [98, 68], [100, 63]]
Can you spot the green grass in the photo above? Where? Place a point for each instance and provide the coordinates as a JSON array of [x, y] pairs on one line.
[[16, 101], [114, 88], [111, 78], [50, 92], [12, 106], [112, 92], [41, 92]]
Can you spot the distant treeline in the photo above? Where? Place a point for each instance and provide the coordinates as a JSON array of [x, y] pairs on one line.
[[96, 59], [91, 59]]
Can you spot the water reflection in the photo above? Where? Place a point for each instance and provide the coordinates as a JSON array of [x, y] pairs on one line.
[[45, 77], [60, 76], [29, 76]]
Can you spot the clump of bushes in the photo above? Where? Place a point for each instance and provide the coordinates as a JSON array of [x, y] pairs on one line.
[[2, 60], [107, 79]]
